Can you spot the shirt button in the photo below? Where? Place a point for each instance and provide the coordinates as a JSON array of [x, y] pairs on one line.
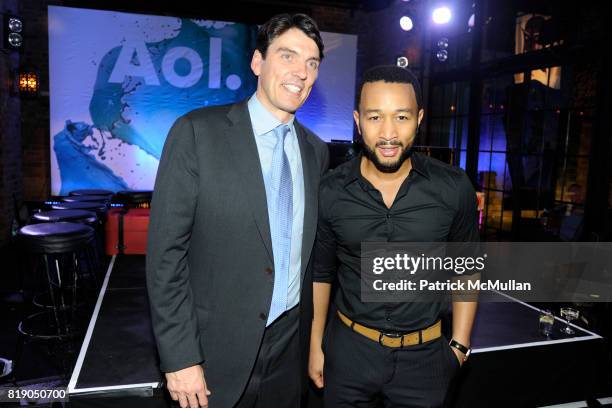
[[388, 318], [388, 216], [263, 316]]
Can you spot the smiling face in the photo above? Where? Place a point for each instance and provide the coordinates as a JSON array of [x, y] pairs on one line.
[[387, 120], [287, 73]]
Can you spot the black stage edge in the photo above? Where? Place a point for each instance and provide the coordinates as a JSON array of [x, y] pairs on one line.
[[511, 365]]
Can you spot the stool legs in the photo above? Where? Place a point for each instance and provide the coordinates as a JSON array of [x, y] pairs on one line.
[[52, 293]]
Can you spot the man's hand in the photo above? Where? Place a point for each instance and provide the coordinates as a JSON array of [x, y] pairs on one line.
[[316, 360], [188, 387], [460, 356]]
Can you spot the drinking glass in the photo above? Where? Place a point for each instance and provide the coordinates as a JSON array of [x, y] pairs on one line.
[[569, 314], [547, 321]]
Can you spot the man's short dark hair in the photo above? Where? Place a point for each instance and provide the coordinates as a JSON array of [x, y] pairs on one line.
[[280, 23], [392, 74]]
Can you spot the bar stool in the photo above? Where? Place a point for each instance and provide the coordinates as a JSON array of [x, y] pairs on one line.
[[87, 198], [101, 209], [58, 245], [79, 216], [91, 192], [134, 198], [93, 259]]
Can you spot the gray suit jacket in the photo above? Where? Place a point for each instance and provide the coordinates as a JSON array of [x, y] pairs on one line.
[[209, 258]]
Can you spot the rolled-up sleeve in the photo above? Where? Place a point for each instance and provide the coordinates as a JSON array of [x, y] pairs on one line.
[[465, 222]]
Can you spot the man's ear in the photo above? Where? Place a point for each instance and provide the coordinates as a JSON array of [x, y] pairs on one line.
[[356, 118], [256, 62], [420, 117]]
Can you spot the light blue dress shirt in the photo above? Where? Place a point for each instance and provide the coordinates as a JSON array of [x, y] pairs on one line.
[[263, 123]]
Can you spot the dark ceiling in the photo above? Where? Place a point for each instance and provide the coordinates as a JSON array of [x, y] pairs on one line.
[[247, 11]]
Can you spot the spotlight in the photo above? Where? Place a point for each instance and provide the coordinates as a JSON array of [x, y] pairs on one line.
[[443, 43], [442, 55], [15, 40], [406, 23], [402, 62], [441, 15], [15, 24], [471, 21], [13, 27]]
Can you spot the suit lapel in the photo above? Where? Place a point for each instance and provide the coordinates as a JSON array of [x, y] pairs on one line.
[[246, 160], [311, 172]]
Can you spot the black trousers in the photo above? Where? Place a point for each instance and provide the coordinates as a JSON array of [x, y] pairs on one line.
[[275, 380], [359, 372]]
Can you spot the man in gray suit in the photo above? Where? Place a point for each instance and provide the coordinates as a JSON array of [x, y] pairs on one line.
[[232, 228]]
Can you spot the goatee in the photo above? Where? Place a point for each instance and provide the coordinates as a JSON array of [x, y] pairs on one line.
[[387, 167]]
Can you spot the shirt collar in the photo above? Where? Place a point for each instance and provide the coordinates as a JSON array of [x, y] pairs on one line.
[[418, 161], [262, 120]]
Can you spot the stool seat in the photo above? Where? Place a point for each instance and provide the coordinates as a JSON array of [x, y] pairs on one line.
[[99, 208], [134, 196], [79, 216], [86, 198], [91, 192], [55, 237]]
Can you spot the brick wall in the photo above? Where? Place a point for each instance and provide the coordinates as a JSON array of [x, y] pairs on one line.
[[334, 19], [35, 112], [10, 134]]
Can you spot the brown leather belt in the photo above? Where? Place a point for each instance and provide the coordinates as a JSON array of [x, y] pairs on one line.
[[394, 340]]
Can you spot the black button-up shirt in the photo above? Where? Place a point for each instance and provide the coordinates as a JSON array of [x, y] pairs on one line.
[[435, 203]]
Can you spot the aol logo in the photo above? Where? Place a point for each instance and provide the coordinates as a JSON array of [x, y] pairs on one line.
[[126, 66]]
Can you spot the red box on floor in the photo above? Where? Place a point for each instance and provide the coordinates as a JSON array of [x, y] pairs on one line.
[[126, 231]]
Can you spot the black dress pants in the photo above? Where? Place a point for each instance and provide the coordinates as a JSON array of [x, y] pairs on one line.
[[359, 372], [275, 380]]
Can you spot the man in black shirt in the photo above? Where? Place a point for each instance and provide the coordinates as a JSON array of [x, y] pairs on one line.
[[392, 353]]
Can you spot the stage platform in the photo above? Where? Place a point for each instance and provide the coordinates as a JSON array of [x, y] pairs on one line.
[[512, 365]]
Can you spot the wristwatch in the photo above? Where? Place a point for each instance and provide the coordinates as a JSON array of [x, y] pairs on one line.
[[465, 350]]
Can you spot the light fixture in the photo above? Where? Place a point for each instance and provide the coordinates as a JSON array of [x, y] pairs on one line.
[[471, 21], [13, 28], [15, 24], [406, 23], [28, 83], [402, 62], [442, 55], [441, 15]]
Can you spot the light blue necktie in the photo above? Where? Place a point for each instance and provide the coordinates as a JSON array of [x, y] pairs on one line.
[[280, 211]]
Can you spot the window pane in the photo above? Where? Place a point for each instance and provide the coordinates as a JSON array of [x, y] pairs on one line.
[[462, 162], [498, 134], [498, 169], [484, 174], [486, 129], [494, 208], [572, 180], [578, 133], [439, 132], [458, 138]]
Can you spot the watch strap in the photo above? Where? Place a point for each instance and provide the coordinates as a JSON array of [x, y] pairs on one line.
[[465, 350]]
